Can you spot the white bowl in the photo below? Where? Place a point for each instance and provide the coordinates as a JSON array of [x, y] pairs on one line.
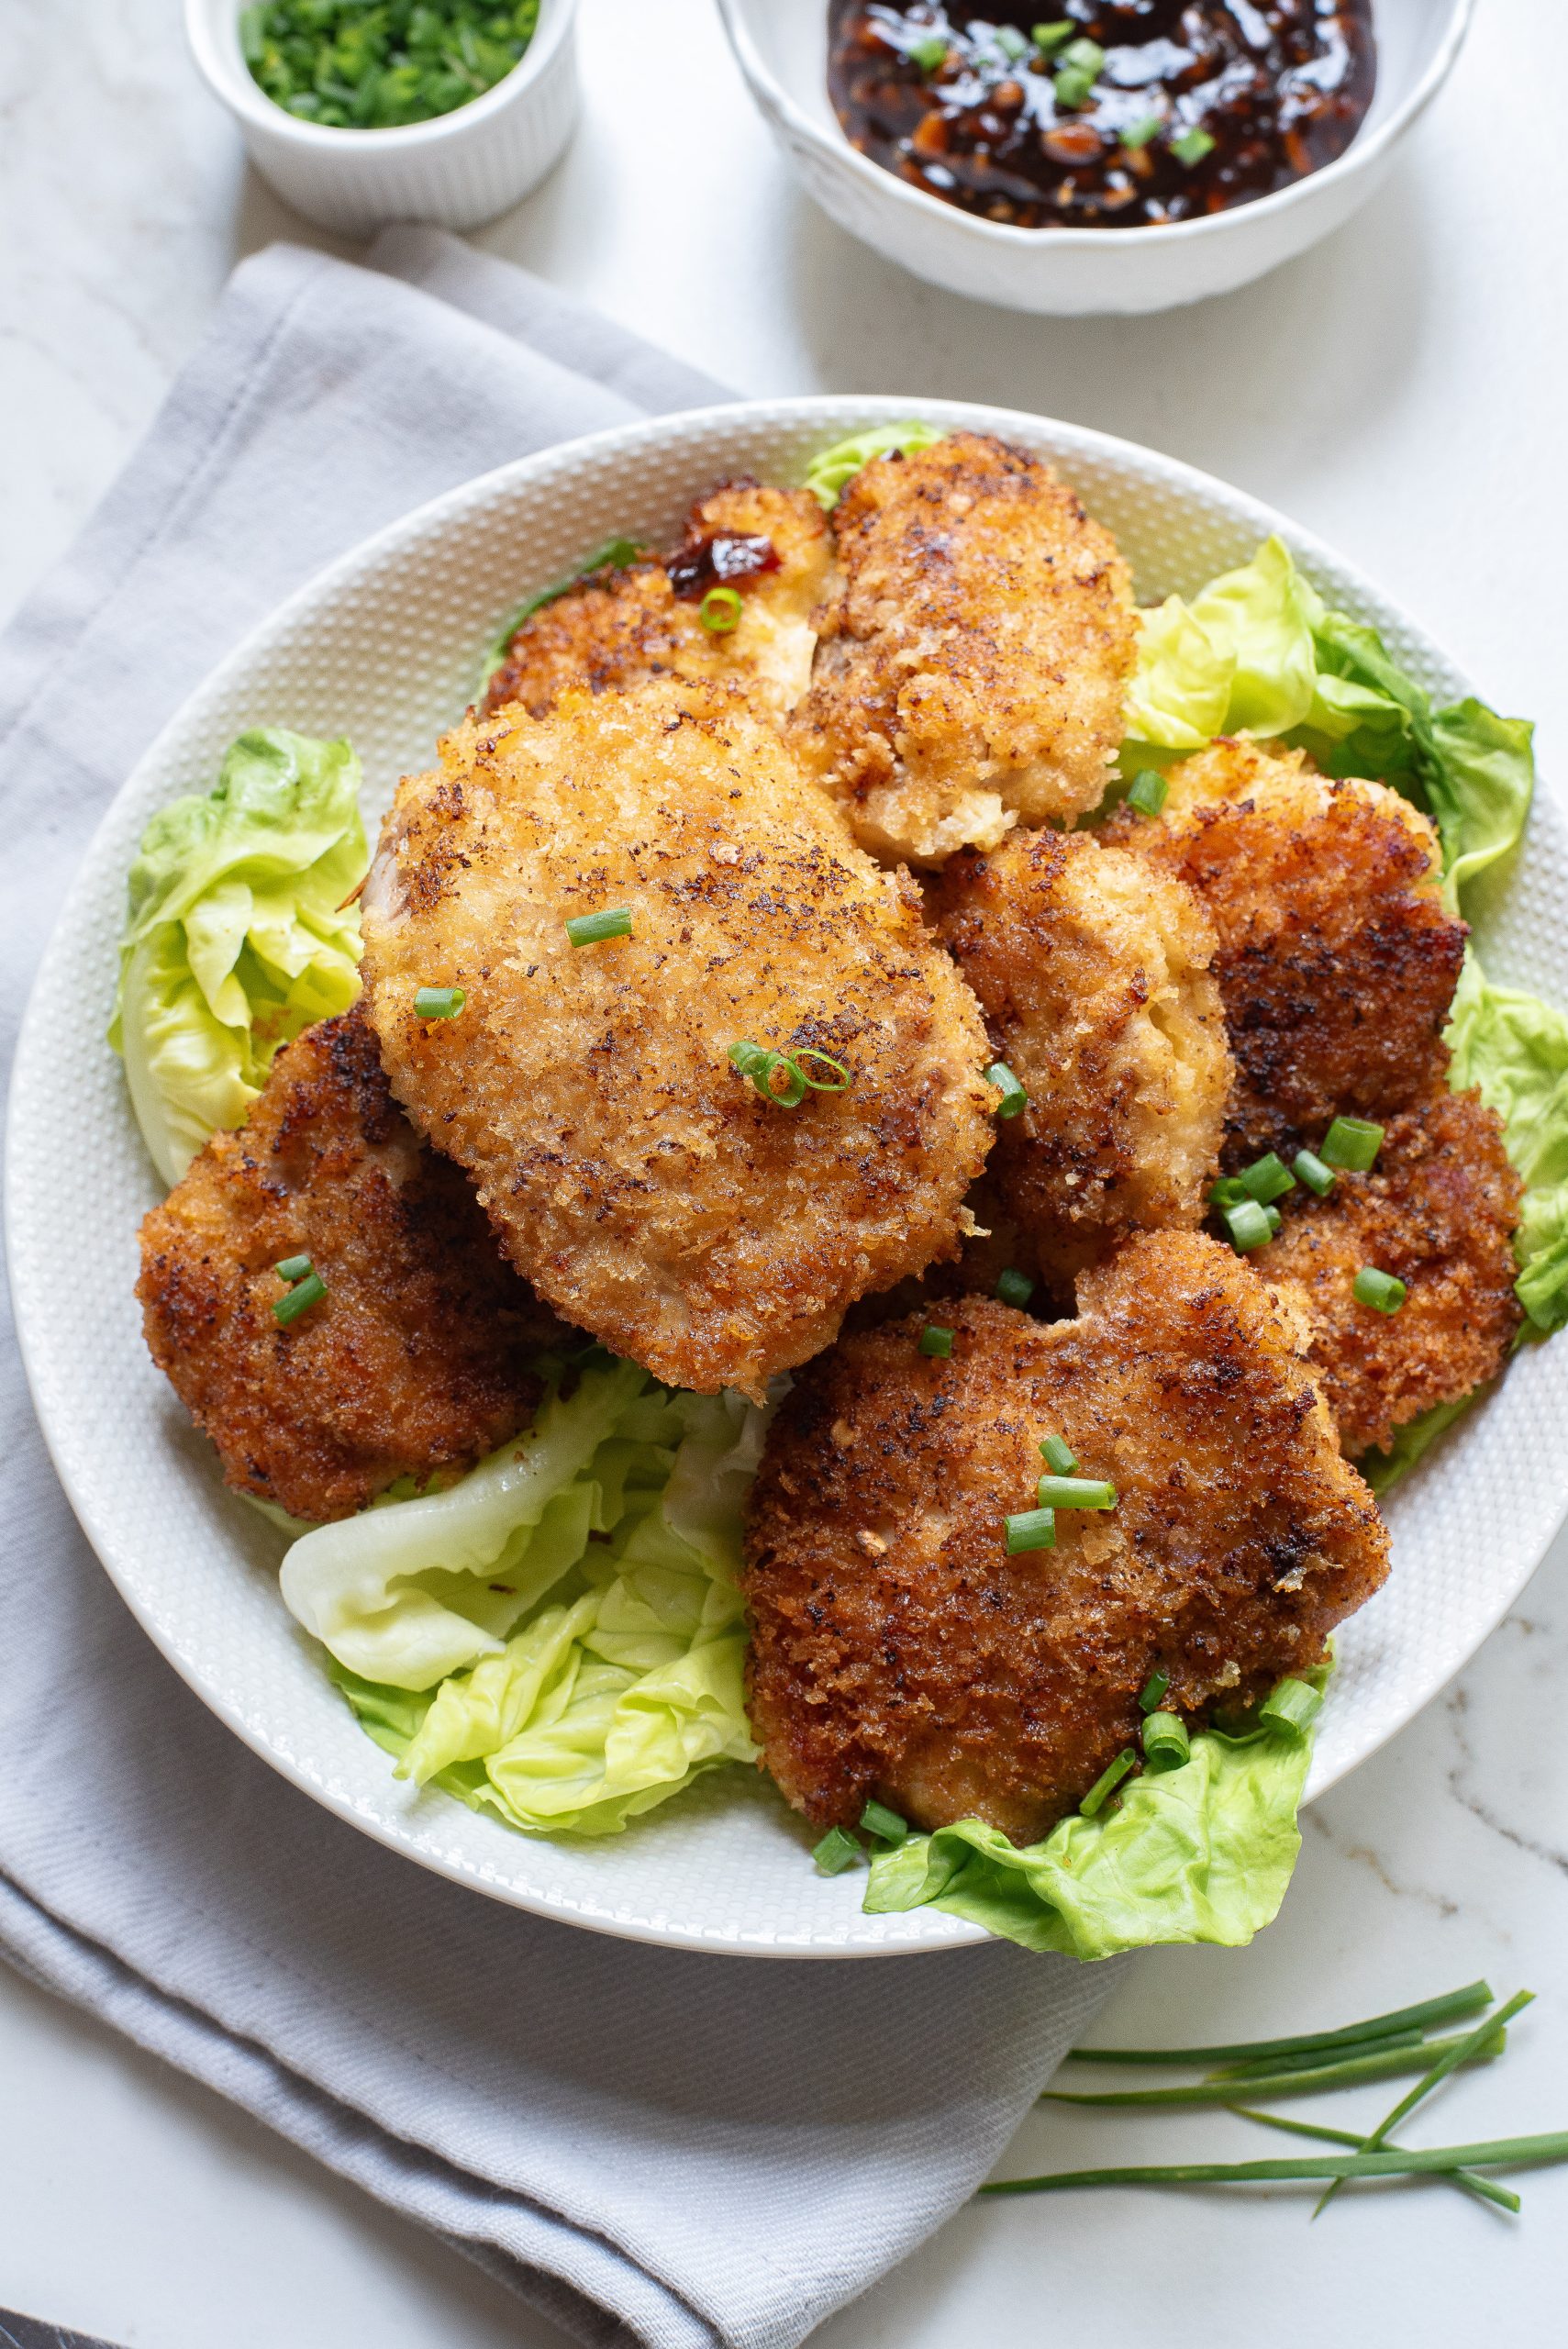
[[459, 171], [383, 647], [781, 47]]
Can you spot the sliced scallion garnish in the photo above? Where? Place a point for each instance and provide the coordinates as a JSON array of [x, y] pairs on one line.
[[1152, 1690], [837, 1851], [1137, 134], [885, 1824], [1249, 1225], [1353, 1144], [839, 1080], [1048, 39], [1150, 788], [936, 1341], [1193, 145], [1030, 1529], [300, 1299], [719, 610], [1267, 1178], [930, 55], [1165, 1742], [1311, 1170], [1012, 43], [592, 929], [1077, 1492], [1385, 1292], [1058, 1454], [1013, 1288], [1293, 1705], [439, 1002], [1014, 1097], [765, 1069], [1107, 1782], [294, 1268]]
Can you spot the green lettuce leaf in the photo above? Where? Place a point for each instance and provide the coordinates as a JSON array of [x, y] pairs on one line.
[[560, 1637], [1411, 1442], [831, 471], [1202, 1853], [1516, 1049], [1257, 653], [236, 935]]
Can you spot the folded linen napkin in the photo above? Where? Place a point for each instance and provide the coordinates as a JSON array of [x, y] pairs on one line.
[[649, 2146]]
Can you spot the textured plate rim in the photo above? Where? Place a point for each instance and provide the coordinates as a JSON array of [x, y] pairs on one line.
[[849, 412]]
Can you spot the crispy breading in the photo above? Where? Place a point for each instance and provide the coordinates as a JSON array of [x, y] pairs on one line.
[[419, 1358], [624, 624], [1438, 1211], [1338, 960], [1094, 973], [636, 1176], [974, 651], [899, 1652]]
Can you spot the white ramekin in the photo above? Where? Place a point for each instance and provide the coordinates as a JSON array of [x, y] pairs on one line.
[[458, 171], [781, 48]]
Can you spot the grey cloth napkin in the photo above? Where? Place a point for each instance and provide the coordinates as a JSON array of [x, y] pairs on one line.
[[651, 2146]]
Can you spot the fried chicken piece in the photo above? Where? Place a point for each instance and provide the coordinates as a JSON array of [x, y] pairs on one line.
[[1093, 972], [1338, 960], [635, 1175], [899, 1652], [974, 653], [1438, 1211], [771, 545], [419, 1358]]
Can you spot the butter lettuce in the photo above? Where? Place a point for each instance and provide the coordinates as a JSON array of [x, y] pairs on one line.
[[560, 1637], [1516, 1049], [236, 935], [831, 471], [1258, 653], [1202, 1853]]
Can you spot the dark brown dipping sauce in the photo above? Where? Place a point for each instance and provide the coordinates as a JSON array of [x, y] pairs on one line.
[[1122, 116]]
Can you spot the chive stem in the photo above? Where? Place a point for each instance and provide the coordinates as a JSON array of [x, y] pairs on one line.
[[1449, 2006], [1107, 1784], [936, 1341], [1385, 2064], [592, 929], [294, 1268], [1404, 2162], [1075, 1492], [719, 610], [1014, 1097], [885, 1824], [1013, 1288], [1483, 2188], [1059, 1455], [439, 1003], [300, 1299]]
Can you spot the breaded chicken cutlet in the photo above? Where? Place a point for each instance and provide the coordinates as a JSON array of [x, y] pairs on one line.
[[900, 1654], [973, 651], [1438, 1212], [1094, 973], [771, 546], [419, 1359], [637, 1176], [1338, 960]]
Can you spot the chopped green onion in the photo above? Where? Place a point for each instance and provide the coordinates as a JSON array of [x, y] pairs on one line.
[[1084, 55], [1137, 134], [300, 1299], [294, 1268], [936, 1341], [1012, 43], [1267, 1178], [719, 610], [439, 1003], [1294, 1705], [1054, 36], [1191, 146], [1059, 1455], [1353, 1143], [1014, 1097], [1077, 1492], [1152, 1690], [1229, 1192], [591, 930], [1031, 1528], [1443, 2160], [1107, 1782], [839, 1083], [885, 1824], [1385, 1292], [1249, 1225], [1071, 87], [837, 1851], [1311, 1170], [1165, 1742], [763, 1066], [1347, 2069], [1149, 792], [1275, 1219], [929, 55], [1447, 2007], [1013, 1288]]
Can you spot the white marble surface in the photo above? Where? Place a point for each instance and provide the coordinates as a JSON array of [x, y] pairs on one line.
[[1400, 391]]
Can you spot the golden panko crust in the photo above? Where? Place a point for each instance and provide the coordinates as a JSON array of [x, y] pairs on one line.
[[899, 1652], [974, 651], [621, 626], [1438, 1211], [417, 1361], [1338, 960], [635, 1175], [1094, 973]]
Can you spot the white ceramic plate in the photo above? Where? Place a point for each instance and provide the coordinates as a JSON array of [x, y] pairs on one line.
[[383, 647]]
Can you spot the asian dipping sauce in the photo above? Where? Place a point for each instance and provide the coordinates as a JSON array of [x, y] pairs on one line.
[[1122, 115]]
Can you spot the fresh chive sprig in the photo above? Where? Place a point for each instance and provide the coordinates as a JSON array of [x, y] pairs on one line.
[[1449, 2006], [1513, 2153], [1485, 2190], [1350, 2070]]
